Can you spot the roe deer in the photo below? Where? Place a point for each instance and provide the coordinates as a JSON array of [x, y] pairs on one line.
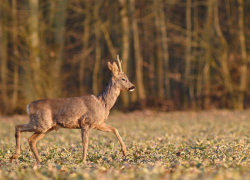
[[85, 113]]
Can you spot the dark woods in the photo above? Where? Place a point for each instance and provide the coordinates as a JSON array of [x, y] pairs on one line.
[[180, 54]]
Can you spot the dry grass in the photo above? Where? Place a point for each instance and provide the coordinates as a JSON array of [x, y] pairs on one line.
[[176, 145]]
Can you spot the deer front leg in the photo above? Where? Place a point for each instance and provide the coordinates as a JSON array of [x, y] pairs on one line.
[[85, 141], [107, 128]]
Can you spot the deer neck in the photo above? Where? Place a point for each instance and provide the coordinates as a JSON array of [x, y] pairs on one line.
[[109, 96]]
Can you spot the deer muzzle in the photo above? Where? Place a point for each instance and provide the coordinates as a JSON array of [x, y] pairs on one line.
[[132, 88]]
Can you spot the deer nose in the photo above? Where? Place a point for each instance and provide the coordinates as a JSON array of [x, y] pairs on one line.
[[132, 88]]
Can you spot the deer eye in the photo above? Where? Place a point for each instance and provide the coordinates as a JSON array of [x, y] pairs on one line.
[[123, 79]]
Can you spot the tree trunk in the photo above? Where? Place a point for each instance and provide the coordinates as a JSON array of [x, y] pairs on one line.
[[148, 35], [198, 59], [207, 85], [159, 52], [60, 19], [125, 45], [187, 75], [97, 50], [85, 52], [106, 35], [35, 75], [224, 58], [16, 55], [138, 56], [243, 68], [208, 54], [165, 53], [4, 58]]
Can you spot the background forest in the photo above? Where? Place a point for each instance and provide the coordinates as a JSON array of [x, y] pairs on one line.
[[180, 54]]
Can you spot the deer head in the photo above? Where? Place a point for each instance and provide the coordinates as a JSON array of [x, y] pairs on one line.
[[120, 79]]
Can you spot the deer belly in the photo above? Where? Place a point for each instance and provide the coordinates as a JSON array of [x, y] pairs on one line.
[[69, 125]]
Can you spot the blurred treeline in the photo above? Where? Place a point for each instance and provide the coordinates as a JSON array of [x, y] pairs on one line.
[[180, 54]]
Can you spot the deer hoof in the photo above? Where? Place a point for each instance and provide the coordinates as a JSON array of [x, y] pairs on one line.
[[124, 152], [15, 156], [37, 165]]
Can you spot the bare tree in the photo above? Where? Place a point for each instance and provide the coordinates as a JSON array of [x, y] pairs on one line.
[[159, 51], [207, 33], [60, 19], [223, 54], [16, 54], [97, 48], [244, 61], [4, 55], [236, 93], [33, 41], [85, 39], [43, 42], [138, 56], [164, 44], [125, 43], [188, 64]]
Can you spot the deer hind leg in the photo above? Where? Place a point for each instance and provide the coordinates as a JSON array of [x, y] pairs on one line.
[[85, 141], [107, 128], [32, 142], [20, 128]]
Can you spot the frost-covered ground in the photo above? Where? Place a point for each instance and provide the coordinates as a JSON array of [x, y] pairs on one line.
[[173, 145]]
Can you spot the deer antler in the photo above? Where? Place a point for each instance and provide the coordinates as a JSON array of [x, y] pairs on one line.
[[119, 63]]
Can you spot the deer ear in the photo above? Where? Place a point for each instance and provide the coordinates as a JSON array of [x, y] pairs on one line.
[[113, 67], [110, 66]]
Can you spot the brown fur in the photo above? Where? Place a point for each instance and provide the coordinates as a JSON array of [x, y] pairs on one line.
[[85, 113]]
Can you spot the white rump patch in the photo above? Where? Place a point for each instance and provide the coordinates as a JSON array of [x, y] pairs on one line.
[[28, 109]]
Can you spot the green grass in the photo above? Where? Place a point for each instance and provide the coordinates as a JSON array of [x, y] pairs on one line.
[[175, 145]]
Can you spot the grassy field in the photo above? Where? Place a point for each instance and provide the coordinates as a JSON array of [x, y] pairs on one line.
[[175, 145]]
